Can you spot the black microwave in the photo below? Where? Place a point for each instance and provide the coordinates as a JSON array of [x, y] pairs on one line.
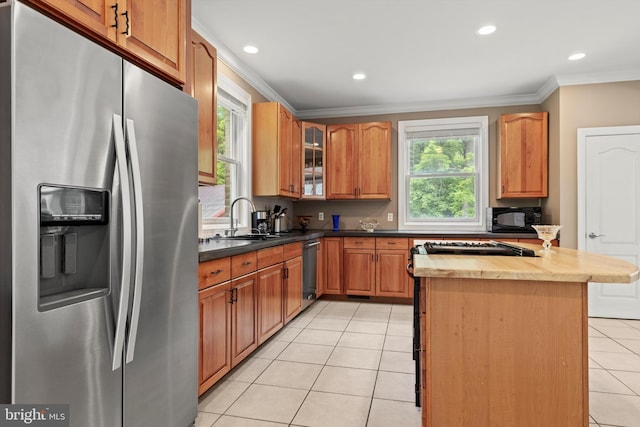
[[513, 220]]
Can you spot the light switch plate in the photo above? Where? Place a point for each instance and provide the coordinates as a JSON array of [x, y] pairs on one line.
[[390, 217], [320, 216]]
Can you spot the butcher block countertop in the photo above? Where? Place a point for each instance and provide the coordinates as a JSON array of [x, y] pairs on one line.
[[564, 265]]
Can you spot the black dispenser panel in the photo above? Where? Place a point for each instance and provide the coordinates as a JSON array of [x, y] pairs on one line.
[[73, 206]]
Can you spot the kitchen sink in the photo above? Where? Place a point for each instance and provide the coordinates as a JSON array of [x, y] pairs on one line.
[[252, 236]]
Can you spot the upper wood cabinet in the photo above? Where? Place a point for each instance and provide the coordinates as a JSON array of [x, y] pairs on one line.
[[313, 160], [276, 151], [149, 33], [523, 155], [201, 84], [358, 158]]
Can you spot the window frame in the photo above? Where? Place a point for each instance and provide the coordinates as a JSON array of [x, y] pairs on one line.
[[242, 162], [481, 158]]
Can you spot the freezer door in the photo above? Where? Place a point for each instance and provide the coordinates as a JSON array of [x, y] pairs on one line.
[[66, 90], [161, 380]]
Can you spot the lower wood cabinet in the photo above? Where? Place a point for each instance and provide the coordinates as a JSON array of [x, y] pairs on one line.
[[214, 357], [376, 266], [244, 334], [292, 283], [333, 266], [270, 302]]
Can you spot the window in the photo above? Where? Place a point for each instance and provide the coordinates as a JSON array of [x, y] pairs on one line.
[[232, 159], [443, 174]]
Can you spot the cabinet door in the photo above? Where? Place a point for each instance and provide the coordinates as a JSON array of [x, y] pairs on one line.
[[359, 271], [341, 161], [313, 161], [203, 88], [215, 332], [292, 288], [244, 338], [333, 265], [523, 155], [97, 16], [374, 160], [391, 276], [320, 272], [155, 31], [296, 158], [285, 122], [270, 299]]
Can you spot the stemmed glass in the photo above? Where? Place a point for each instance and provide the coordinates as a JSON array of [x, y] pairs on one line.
[[547, 233]]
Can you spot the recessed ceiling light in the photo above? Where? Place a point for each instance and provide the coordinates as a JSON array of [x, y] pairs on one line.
[[576, 56], [251, 49], [359, 76], [487, 29]]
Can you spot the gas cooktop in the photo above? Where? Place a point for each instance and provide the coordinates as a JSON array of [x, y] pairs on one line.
[[468, 247]]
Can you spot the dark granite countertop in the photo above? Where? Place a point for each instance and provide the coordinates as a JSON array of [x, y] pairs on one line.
[[220, 247]]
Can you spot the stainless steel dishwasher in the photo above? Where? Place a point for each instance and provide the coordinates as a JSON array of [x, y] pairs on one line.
[[309, 271]]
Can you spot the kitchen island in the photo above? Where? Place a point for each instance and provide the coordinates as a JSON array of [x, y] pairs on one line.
[[504, 339]]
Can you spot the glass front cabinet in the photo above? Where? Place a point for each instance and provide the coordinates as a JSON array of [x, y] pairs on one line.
[[313, 160]]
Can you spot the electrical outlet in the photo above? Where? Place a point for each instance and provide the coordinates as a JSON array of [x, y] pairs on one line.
[[320, 216], [390, 216]]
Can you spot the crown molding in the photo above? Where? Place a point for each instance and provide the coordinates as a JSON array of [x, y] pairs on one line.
[[239, 67], [602, 77]]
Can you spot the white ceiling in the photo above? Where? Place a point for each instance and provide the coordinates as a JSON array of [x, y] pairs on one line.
[[420, 54]]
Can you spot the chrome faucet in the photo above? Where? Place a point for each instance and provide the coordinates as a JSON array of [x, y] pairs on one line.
[[232, 230]]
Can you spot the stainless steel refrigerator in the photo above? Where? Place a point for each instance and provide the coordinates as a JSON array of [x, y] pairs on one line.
[[98, 221]]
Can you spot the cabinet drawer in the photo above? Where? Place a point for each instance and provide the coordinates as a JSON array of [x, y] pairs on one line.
[[359, 243], [213, 272], [292, 250], [392, 243], [244, 264], [269, 256]]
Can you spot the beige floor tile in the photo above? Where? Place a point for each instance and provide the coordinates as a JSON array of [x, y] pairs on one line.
[[402, 308], [328, 324], [633, 323], [601, 321], [355, 358], [374, 307], [290, 374], [606, 345], [395, 386], [626, 332], [386, 413], [615, 409], [393, 343], [618, 361], [395, 361], [268, 403], [633, 345], [287, 334], [270, 350], [360, 340], [401, 317], [301, 321], [205, 419], [630, 379], [371, 316], [221, 396], [602, 381], [229, 421], [367, 327], [318, 336], [338, 311], [248, 370], [334, 410], [357, 382], [593, 333], [593, 364], [306, 353], [400, 329]]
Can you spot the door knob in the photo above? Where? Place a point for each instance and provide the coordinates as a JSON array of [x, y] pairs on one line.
[[592, 235]]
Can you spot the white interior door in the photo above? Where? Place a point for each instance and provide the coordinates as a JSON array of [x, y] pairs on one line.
[[609, 211]]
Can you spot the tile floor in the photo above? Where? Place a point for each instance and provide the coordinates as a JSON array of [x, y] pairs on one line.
[[349, 364]]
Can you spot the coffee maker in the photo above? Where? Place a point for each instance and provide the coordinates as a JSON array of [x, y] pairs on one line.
[[260, 222]]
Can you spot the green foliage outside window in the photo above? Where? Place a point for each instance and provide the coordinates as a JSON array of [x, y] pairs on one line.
[[442, 178]]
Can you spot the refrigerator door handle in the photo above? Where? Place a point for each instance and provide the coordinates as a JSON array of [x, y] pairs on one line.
[[139, 222], [121, 161]]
